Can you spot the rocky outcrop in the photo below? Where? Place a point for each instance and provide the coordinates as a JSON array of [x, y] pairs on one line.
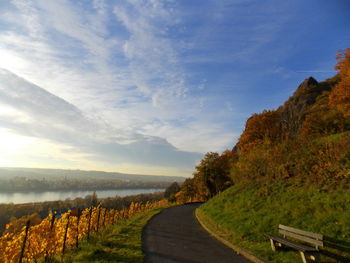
[[292, 113], [288, 119]]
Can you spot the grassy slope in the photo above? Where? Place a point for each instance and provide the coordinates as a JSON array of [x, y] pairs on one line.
[[244, 213], [118, 243]]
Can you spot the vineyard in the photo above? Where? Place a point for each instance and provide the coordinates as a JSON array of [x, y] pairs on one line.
[[56, 234]]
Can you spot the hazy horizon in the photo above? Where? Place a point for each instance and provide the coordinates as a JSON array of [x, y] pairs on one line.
[[85, 170]]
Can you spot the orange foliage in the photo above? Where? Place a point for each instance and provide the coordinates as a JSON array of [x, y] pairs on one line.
[[16, 225], [260, 127], [340, 95], [46, 238], [321, 119]]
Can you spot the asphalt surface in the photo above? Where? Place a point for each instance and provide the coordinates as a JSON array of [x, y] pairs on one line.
[[175, 236]]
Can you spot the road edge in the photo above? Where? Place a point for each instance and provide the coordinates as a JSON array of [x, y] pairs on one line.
[[245, 253]]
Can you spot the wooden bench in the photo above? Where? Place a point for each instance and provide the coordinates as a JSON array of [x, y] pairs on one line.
[[307, 253]]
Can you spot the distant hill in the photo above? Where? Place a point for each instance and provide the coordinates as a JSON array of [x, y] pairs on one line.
[[59, 174]]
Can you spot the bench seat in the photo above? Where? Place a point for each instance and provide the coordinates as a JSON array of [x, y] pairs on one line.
[[309, 254], [292, 244]]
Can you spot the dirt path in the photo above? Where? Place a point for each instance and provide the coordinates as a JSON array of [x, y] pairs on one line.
[[175, 235]]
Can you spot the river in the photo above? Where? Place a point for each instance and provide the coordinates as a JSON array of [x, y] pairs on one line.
[[29, 197]]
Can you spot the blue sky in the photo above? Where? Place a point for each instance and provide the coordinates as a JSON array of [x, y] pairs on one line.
[[150, 86]]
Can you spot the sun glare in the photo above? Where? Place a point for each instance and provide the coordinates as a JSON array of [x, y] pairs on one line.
[[12, 146], [11, 143], [10, 61]]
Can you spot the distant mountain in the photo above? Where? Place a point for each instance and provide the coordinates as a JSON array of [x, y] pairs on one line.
[[59, 174]]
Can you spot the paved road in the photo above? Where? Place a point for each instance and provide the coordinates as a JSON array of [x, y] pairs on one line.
[[175, 236]]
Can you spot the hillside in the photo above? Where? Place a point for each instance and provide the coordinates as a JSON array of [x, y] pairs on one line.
[[306, 140], [245, 213], [290, 166]]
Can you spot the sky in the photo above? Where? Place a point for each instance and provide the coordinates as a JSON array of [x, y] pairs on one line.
[[150, 86]]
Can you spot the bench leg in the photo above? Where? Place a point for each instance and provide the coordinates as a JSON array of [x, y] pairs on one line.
[[273, 245], [308, 257]]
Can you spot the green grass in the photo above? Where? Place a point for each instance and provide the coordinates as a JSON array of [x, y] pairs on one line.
[[117, 243], [244, 213], [335, 138]]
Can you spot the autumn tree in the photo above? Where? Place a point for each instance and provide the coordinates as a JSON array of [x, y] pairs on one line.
[[260, 127], [212, 174], [222, 167], [171, 191], [340, 95], [188, 190]]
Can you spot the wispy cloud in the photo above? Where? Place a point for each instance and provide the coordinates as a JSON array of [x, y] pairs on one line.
[[155, 79], [151, 57], [31, 111], [131, 76]]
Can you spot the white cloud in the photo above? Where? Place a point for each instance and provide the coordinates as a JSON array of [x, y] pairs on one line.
[[50, 118], [152, 58], [114, 62]]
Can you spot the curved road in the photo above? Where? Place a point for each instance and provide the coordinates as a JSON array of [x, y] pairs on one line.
[[175, 236]]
